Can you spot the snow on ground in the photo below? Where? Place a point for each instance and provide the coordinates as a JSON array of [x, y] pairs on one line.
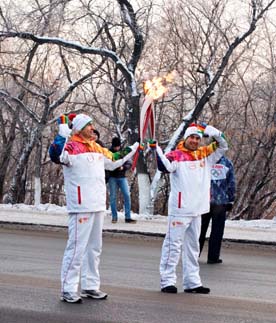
[[49, 208], [55, 209], [254, 231]]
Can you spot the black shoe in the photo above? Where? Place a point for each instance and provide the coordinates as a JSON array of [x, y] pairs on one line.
[[169, 289], [211, 262], [198, 290], [130, 221]]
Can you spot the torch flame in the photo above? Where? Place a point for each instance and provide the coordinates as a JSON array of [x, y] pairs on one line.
[[156, 87]]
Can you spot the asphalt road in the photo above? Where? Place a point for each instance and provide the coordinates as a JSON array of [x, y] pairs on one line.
[[243, 288]]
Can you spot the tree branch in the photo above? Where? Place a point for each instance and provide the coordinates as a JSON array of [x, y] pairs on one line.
[[73, 45]]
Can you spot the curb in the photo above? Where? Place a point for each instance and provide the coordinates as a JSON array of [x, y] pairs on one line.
[[31, 226], [56, 228], [253, 242]]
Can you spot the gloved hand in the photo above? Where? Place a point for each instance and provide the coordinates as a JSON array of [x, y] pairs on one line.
[[211, 131], [229, 207], [134, 146], [202, 126], [152, 144], [63, 128], [62, 119], [122, 153], [141, 145]]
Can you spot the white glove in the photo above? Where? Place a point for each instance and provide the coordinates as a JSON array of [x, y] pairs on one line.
[[65, 159], [211, 131], [134, 146], [64, 130]]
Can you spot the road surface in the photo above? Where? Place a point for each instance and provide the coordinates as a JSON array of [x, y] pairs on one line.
[[243, 288]]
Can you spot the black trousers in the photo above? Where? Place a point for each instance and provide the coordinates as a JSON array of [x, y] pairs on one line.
[[218, 215]]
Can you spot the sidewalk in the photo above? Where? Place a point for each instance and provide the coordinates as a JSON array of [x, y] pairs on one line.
[[257, 231]]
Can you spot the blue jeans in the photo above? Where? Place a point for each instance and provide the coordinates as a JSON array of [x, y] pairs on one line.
[[122, 184]]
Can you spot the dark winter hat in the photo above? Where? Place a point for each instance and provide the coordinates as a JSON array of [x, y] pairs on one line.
[[116, 142], [97, 133]]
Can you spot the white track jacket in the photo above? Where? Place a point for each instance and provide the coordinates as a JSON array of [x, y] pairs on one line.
[[84, 179], [190, 175]]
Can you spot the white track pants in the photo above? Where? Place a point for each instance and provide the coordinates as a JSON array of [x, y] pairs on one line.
[[182, 235], [82, 252]]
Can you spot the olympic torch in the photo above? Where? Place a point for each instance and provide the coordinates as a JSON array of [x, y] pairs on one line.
[[153, 90]]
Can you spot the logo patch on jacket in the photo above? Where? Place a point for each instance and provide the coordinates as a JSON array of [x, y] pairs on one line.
[[196, 165], [177, 224], [202, 163], [219, 172], [83, 219], [91, 158]]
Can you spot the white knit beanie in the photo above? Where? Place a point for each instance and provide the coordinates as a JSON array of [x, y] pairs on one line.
[[80, 121], [192, 131]]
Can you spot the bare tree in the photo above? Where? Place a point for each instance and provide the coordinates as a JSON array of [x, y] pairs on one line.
[[193, 40], [50, 100], [211, 50]]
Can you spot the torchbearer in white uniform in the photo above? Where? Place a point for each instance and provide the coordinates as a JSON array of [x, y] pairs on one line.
[[190, 168], [84, 162]]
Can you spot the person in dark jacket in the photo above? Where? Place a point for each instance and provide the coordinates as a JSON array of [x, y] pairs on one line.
[[223, 190], [98, 140], [117, 180]]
